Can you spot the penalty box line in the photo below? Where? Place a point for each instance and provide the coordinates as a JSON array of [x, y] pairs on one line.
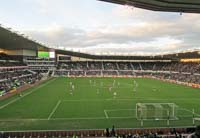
[[105, 112], [114, 110], [190, 111], [54, 109]]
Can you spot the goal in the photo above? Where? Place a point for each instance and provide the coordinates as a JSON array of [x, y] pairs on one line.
[[156, 111]]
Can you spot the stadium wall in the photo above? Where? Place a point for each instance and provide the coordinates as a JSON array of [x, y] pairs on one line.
[[162, 132]]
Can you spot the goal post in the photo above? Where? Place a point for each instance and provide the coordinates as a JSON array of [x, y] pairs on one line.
[[156, 111]]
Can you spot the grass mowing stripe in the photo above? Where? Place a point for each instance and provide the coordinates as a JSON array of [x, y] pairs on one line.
[[13, 101], [54, 109]]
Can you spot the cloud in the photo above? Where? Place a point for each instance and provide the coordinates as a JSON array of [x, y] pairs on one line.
[[144, 32]]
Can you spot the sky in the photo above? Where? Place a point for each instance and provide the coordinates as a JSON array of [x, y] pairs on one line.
[[96, 27]]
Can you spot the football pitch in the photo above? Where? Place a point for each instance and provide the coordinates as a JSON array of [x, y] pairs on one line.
[[97, 103]]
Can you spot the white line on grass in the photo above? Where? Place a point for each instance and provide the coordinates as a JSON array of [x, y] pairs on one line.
[[124, 117], [76, 118], [54, 109], [80, 118], [5, 105], [190, 111], [127, 99], [25, 119], [111, 110], [46, 119], [93, 118], [106, 114]]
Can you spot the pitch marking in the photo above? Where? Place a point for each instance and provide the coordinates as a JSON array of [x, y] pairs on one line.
[[190, 111], [54, 109], [106, 114], [13, 101], [78, 118], [112, 110], [126, 99]]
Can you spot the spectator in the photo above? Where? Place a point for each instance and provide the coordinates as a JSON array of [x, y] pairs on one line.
[[107, 132], [196, 134], [113, 131]]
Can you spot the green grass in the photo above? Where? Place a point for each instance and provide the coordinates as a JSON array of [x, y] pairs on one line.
[[50, 106]]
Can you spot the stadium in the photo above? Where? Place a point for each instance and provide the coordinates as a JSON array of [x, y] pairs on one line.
[[51, 92]]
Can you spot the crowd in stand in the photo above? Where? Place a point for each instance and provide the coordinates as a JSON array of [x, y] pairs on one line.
[[178, 71], [14, 74], [10, 64], [42, 65], [156, 66], [10, 79]]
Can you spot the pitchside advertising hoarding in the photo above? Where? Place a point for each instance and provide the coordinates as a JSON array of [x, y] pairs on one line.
[[46, 54]]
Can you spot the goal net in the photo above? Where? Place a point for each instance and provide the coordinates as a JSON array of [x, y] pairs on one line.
[[156, 111]]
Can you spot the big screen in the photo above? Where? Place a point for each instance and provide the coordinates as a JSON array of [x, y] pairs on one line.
[[43, 54]]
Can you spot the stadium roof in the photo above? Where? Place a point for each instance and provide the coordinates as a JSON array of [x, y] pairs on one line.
[[189, 6], [173, 56], [11, 40]]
